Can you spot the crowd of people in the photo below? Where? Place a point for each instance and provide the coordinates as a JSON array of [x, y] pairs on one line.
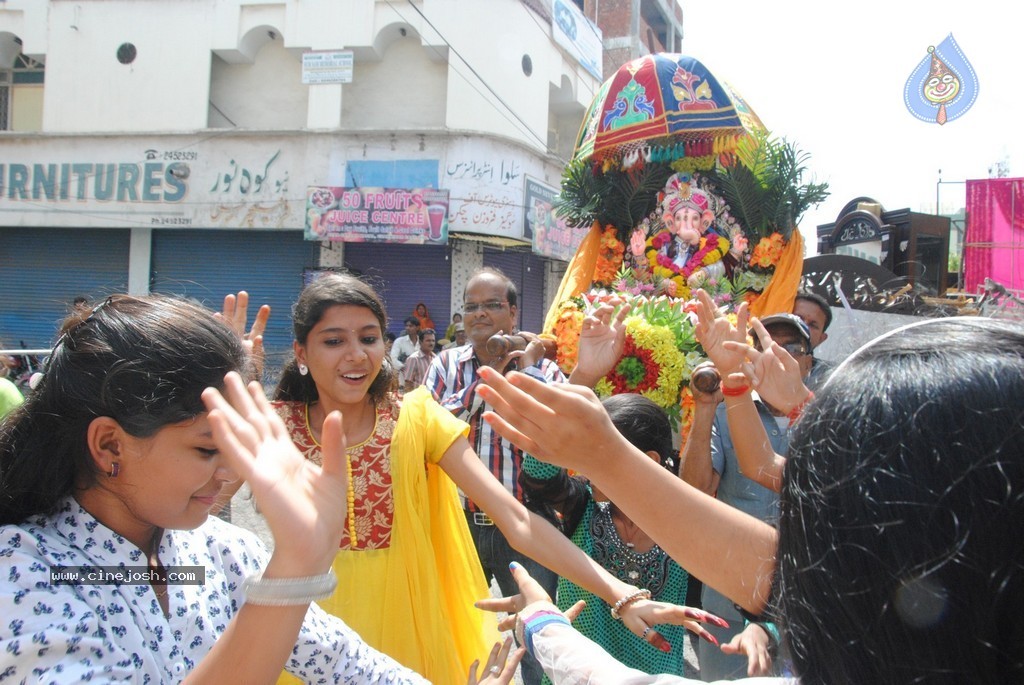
[[850, 524]]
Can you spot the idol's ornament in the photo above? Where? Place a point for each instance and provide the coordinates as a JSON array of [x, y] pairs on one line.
[[943, 86], [683, 188]]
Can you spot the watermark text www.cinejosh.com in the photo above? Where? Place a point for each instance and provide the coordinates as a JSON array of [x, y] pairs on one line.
[[126, 575]]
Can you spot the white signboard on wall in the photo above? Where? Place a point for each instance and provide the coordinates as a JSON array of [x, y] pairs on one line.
[[326, 66], [486, 183]]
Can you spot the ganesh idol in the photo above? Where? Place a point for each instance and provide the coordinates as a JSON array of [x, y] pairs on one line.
[[687, 251]]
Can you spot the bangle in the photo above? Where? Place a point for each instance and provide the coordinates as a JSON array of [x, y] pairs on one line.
[[627, 600], [537, 621], [735, 392], [279, 592], [795, 413]]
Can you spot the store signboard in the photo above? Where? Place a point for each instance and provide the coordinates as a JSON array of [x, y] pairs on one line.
[[377, 215], [551, 236], [578, 35], [326, 66]]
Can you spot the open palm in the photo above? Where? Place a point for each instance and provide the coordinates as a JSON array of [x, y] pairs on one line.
[[304, 504]]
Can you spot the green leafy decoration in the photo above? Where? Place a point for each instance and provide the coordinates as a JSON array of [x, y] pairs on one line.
[[766, 192], [613, 198]]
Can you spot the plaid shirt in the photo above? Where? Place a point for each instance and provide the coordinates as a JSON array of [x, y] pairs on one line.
[[453, 379]]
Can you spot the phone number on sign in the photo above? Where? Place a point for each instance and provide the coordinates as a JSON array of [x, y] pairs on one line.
[[170, 221]]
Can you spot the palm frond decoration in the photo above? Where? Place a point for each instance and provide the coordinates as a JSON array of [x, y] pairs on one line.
[[619, 198], [766, 192]]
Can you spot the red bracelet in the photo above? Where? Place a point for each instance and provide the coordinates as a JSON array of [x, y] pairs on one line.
[[795, 413], [735, 392]]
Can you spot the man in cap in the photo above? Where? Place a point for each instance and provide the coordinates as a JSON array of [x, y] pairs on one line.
[[459, 337], [720, 431]]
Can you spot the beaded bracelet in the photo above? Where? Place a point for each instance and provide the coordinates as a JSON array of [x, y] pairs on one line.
[[627, 600], [795, 413], [279, 592], [538, 620]]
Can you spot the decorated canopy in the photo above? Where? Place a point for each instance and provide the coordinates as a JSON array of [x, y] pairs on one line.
[[666, 106], [683, 188]]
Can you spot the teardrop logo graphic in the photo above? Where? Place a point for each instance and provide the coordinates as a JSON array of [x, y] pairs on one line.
[[943, 86]]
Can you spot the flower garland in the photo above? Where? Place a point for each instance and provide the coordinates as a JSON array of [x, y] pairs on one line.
[[609, 259], [711, 248], [768, 252], [652, 365], [567, 331]]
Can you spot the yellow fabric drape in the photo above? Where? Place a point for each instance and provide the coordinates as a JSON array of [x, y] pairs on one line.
[[780, 293], [414, 600], [578, 275]]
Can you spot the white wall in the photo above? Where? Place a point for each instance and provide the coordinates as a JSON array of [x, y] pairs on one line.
[[405, 90], [266, 94], [193, 51], [165, 88]]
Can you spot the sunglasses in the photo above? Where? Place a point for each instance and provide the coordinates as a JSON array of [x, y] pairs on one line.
[[795, 349]]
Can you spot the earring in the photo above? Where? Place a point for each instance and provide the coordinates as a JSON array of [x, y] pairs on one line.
[[303, 369], [115, 468]]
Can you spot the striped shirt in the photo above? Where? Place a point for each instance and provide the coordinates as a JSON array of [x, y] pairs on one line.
[[453, 379]]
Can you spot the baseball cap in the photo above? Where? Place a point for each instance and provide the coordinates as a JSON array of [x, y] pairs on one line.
[[459, 327], [791, 320]]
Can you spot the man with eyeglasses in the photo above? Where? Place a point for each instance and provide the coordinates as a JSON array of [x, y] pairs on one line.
[[719, 431], [491, 306]]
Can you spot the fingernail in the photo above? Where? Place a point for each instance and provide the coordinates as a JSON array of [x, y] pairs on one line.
[[514, 566], [665, 647], [711, 638]]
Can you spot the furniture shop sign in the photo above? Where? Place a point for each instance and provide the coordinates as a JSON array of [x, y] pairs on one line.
[[416, 216]]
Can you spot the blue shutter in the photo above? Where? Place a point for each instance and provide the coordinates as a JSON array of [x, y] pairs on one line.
[[42, 271], [208, 264], [405, 275]]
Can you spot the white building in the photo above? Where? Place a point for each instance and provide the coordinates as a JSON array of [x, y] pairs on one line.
[[168, 146]]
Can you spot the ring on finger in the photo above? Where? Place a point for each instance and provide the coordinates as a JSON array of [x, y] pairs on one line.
[[647, 630], [495, 669]]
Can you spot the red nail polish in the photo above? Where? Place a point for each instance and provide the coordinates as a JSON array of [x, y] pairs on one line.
[[665, 647]]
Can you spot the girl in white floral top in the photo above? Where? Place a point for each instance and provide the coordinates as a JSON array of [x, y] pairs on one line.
[[113, 570]]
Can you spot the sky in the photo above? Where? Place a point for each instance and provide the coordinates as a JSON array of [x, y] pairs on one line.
[[830, 77]]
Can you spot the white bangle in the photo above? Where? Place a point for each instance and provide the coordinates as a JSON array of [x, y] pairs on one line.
[[279, 592], [627, 600]]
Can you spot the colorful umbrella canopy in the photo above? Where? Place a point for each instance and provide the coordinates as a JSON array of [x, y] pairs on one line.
[[667, 106]]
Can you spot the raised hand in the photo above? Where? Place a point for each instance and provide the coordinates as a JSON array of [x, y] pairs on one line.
[[235, 313], [499, 668], [638, 242], [304, 504], [772, 371], [557, 423], [754, 643], [641, 617], [714, 329], [602, 339]]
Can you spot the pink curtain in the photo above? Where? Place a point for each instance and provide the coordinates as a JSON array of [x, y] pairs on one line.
[[994, 243]]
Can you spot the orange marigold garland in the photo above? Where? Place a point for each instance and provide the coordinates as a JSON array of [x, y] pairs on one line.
[[567, 334], [609, 260], [768, 252]]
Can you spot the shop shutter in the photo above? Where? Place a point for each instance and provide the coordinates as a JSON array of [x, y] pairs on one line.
[[527, 271], [208, 264], [42, 271], [405, 275]]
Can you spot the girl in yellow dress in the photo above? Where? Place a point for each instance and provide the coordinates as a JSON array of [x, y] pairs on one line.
[[408, 573]]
